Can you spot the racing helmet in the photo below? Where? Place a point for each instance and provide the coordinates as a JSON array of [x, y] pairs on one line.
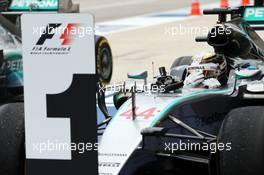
[[212, 65]]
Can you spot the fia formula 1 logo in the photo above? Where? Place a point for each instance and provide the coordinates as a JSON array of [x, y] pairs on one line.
[[67, 35], [57, 38]]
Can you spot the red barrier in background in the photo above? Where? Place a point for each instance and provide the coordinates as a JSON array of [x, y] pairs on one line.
[[195, 7], [245, 2], [224, 4]]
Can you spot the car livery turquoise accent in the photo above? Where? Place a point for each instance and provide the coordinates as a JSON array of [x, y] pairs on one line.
[[252, 14], [12, 68], [136, 76], [34, 5], [139, 75]]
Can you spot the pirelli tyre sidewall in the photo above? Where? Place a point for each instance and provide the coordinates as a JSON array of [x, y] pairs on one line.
[[12, 142], [244, 129], [104, 60]]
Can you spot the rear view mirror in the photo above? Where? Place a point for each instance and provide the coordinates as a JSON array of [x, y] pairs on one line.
[[139, 75], [255, 88], [246, 73]]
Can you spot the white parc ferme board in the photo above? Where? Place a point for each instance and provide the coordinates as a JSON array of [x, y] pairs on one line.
[[60, 94]]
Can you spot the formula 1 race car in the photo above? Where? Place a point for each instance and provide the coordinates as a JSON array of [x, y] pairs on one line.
[[11, 75], [10, 42], [182, 130]]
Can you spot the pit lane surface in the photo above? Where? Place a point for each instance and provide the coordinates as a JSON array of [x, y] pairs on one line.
[[143, 32], [105, 10]]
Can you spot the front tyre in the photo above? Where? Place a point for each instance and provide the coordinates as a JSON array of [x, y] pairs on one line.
[[104, 60], [12, 150], [244, 129]]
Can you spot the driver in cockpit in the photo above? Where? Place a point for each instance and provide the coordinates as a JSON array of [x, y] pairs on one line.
[[208, 70]]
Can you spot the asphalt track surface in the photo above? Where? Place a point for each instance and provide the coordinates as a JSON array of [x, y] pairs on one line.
[[105, 10], [149, 33]]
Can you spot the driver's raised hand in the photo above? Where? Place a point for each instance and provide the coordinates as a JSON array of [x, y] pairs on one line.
[[194, 79]]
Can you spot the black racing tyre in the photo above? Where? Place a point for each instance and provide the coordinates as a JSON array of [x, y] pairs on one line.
[[184, 60], [143, 162], [104, 60], [12, 149], [244, 129]]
